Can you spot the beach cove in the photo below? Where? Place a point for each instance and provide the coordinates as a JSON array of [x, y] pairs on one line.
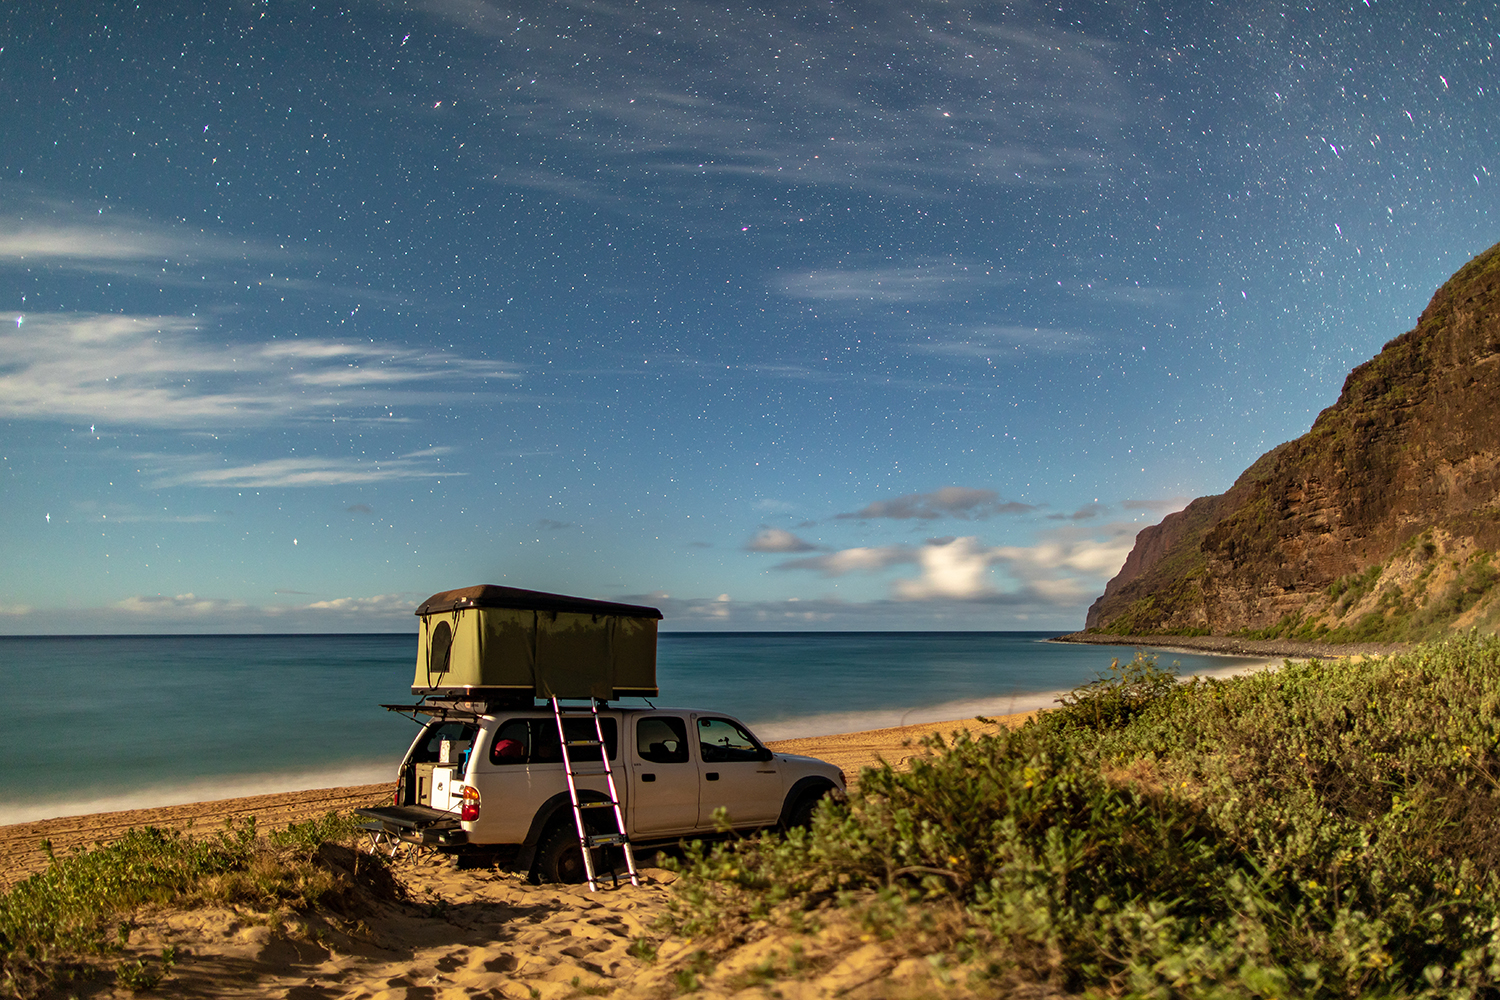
[[484, 932]]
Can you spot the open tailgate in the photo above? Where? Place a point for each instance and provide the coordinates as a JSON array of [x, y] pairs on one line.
[[414, 824]]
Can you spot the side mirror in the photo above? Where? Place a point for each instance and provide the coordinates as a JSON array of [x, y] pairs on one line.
[[765, 754]]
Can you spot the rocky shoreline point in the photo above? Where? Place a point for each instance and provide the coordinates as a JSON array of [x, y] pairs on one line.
[[1233, 646]]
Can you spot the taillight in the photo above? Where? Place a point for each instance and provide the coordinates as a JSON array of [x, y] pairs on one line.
[[469, 811]]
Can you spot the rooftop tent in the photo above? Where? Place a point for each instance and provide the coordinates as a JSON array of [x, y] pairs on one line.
[[504, 640]]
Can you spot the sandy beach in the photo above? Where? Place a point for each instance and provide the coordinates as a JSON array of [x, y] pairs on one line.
[[486, 933]]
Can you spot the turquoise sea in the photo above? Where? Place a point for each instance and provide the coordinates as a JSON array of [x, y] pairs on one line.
[[116, 722]]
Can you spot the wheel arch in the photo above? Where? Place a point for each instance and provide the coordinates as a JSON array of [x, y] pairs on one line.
[[812, 783], [547, 815]]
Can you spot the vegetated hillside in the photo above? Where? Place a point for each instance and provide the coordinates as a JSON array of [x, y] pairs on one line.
[[1379, 524]]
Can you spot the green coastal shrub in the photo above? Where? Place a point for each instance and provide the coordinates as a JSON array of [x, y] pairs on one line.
[[1320, 830], [51, 921]]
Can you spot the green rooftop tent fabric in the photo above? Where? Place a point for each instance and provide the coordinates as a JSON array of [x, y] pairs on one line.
[[508, 640]]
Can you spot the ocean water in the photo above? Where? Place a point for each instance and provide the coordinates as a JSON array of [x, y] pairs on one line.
[[117, 722]]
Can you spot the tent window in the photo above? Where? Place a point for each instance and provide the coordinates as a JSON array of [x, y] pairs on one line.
[[439, 648]]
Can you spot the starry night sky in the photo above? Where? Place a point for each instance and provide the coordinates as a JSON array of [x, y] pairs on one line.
[[824, 315]]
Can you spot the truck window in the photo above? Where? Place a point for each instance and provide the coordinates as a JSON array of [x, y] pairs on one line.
[[661, 739], [512, 744], [537, 739], [720, 741], [430, 747]]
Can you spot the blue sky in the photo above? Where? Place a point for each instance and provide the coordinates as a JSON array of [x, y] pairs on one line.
[[808, 316]]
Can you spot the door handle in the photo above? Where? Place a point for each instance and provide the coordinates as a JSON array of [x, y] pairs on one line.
[[648, 777], [711, 776]]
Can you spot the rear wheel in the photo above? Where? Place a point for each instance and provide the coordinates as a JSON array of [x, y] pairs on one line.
[[559, 858]]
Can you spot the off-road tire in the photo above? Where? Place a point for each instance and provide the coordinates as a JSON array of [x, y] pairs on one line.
[[801, 813], [559, 858]]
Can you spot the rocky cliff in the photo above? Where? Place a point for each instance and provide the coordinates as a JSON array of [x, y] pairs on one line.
[[1380, 523]]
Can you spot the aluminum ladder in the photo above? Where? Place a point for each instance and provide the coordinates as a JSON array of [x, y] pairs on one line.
[[588, 842]]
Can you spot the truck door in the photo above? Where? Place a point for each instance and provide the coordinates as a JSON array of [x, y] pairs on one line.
[[735, 772], [664, 778]]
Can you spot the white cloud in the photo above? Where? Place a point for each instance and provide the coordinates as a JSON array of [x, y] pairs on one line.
[[380, 604], [181, 605], [193, 613], [1068, 549], [1064, 568], [955, 567], [863, 560], [161, 371], [777, 540]]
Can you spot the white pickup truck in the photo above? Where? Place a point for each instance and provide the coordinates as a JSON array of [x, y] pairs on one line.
[[489, 781]]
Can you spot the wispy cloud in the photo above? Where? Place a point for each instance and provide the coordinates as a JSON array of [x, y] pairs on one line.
[[57, 233], [777, 540], [379, 605], [196, 613], [966, 503], [180, 605], [998, 98], [1003, 340], [119, 513], [1085, 513], [163, 371], [865, 559], [931, 281], [293, 472]]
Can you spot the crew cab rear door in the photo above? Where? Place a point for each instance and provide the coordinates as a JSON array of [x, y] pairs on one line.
[[735, 772], [663, 776]]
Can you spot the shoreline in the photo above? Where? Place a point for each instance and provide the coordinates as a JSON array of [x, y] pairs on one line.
[[1221, 645], [21, 852]]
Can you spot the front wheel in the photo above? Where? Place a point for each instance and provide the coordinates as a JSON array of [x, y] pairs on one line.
[[801, 813]]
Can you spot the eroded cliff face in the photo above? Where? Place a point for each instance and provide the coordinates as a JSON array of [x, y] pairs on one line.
[[1379, 523]]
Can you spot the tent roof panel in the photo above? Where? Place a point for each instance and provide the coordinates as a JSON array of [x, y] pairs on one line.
[[493, 596]]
